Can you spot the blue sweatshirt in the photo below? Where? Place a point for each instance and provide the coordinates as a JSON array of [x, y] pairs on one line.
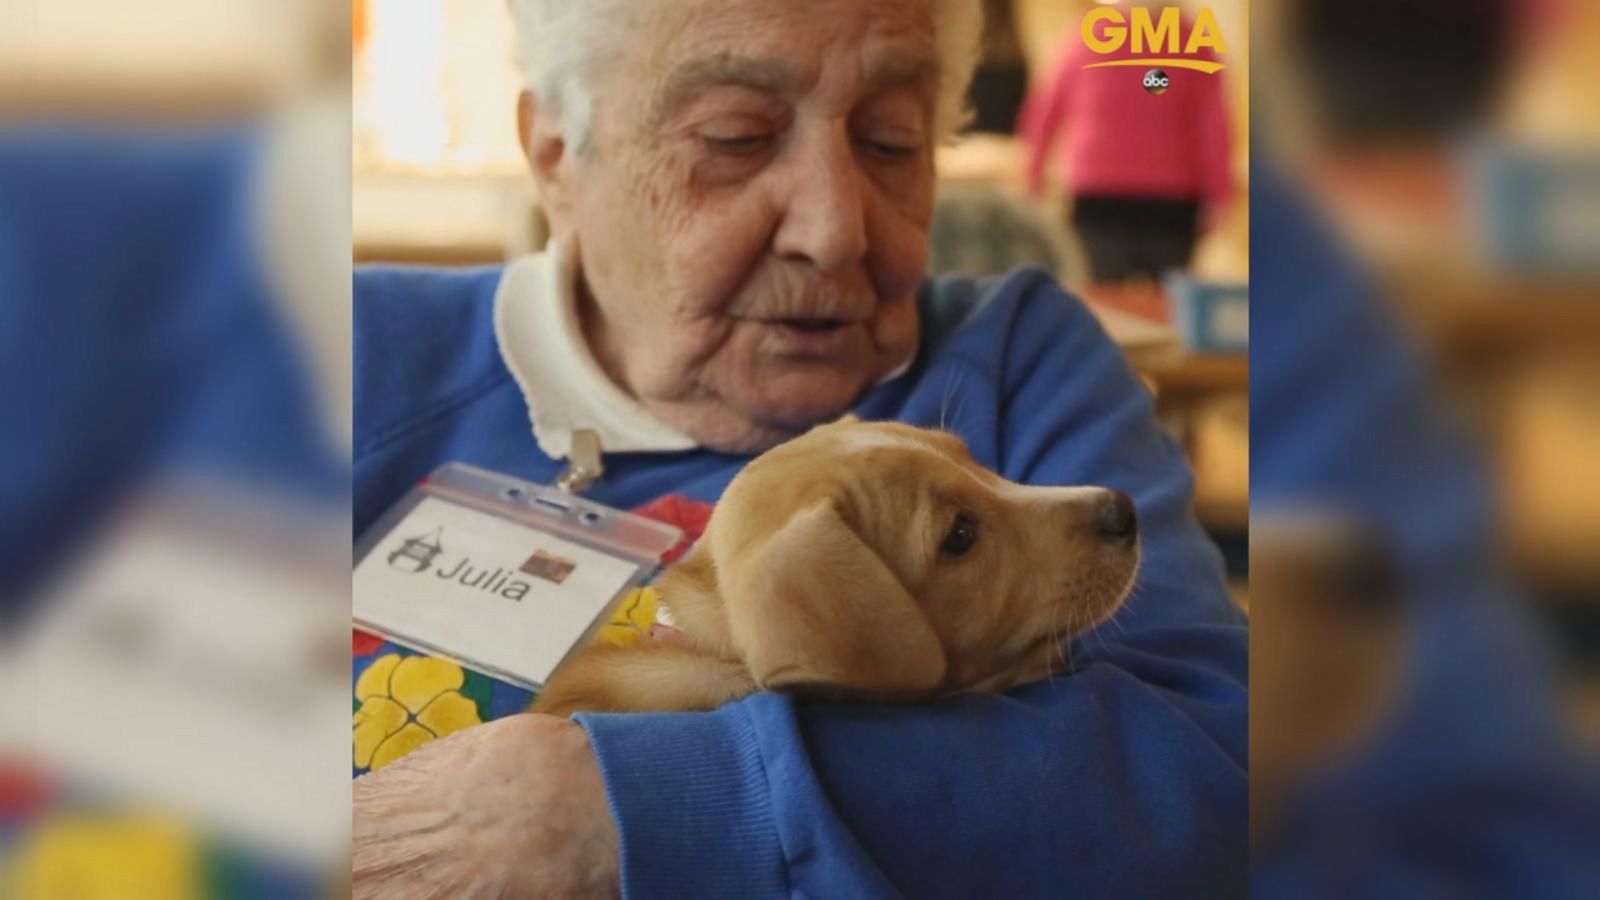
[[1126, 778]]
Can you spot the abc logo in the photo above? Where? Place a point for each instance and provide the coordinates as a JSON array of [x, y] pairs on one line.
[[1156, 81]]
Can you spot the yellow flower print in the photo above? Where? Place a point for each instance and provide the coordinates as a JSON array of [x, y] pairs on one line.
[[114, 856], [405, 703], [632, 620]]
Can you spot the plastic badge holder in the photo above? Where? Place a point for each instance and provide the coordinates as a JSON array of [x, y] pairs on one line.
[[501, 575]]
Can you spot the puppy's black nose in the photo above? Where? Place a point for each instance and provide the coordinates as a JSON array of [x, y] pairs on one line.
[[1116, 519]]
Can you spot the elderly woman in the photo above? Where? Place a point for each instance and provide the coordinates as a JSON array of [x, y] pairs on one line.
[[740, 194]]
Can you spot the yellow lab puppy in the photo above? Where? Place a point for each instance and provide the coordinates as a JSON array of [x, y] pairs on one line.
[[874, 561]]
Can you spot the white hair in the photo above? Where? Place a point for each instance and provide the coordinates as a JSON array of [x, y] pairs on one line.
[[562, 46]]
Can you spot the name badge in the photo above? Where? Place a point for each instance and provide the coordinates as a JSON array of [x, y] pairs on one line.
[[501, 575]]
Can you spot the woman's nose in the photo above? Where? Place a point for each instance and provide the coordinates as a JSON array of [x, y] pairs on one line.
[[824, 217]]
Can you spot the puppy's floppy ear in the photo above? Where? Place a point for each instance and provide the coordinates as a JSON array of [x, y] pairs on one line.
[[817, 608]]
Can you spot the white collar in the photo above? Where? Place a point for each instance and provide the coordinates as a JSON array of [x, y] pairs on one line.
[[542, 343]]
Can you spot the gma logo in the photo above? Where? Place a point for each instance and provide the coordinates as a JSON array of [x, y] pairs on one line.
[[1106, 30]]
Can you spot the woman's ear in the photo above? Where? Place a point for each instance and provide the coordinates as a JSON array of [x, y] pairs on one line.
[[817, 609], [544, 145]]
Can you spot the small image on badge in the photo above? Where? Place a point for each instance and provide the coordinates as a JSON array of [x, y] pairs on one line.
[[498, 574], [549, 566]]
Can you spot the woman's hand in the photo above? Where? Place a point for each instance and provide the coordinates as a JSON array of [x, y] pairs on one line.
[[512, 808]]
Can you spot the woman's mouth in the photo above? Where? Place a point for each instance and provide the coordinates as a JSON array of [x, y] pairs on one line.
[[812, 326], [812, 337]]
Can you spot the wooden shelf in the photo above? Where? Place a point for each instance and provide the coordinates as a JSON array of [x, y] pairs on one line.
[[175, 100], [1189, 373], [1472, 312]]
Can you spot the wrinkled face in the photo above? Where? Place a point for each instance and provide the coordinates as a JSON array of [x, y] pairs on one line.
[[752, 214], [1002, 573]]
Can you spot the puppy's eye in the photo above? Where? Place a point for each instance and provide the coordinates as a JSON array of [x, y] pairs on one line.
[[962, 535]]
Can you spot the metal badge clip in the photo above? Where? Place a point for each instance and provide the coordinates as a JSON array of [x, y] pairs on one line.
[[584, 467]]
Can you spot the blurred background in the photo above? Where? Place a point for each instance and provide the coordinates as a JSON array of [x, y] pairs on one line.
[[1418, 182], [174, 430], [1424, 648], [1453, 149], [439, 179]]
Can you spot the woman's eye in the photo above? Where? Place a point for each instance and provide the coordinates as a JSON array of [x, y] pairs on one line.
[[738, 145], [892, 152], [962, 535]]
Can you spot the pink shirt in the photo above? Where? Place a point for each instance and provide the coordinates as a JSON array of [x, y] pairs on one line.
[[1124, 141]]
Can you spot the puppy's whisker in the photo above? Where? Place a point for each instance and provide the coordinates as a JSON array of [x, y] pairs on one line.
[[952, 387], [1069, 635], [1127, 602], [1110, 633], [1099, 633], [1057, 639], [1126, 610], [944, 402], [1111, 641], [1093, 633]]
